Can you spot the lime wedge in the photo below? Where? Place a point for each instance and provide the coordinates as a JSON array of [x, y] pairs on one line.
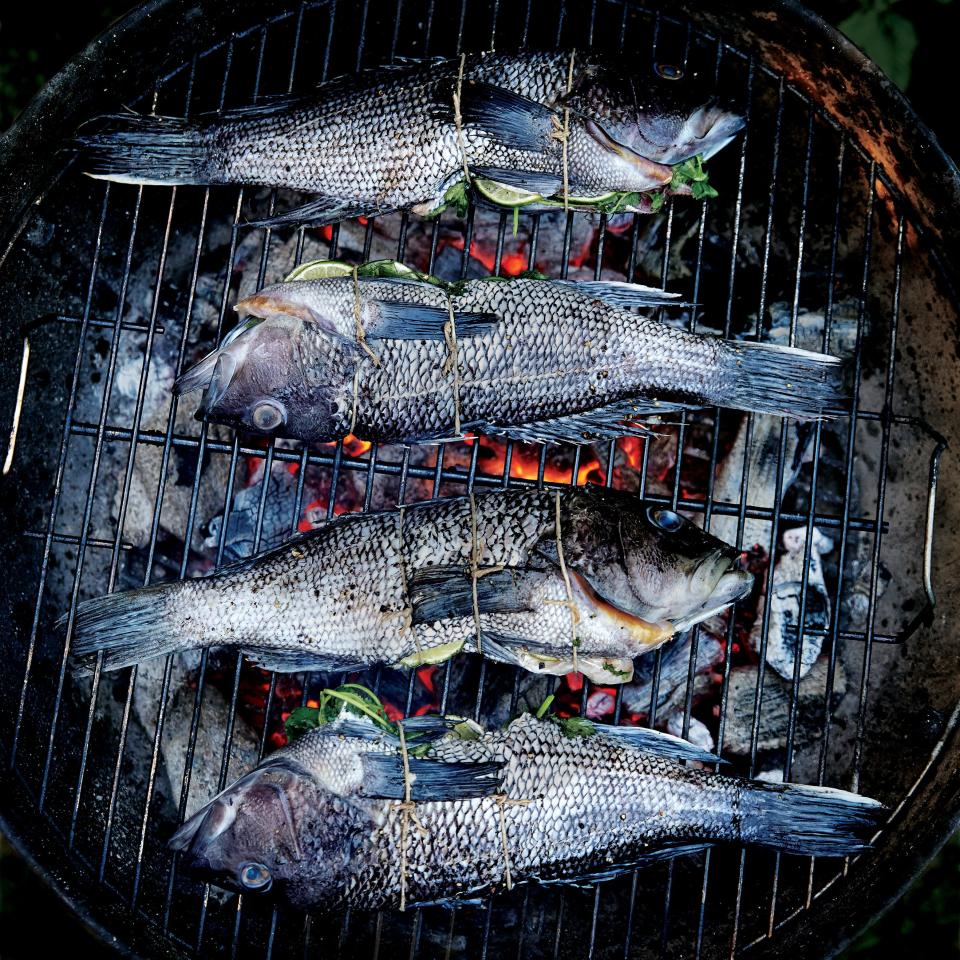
[[504, 196], [319, 270]]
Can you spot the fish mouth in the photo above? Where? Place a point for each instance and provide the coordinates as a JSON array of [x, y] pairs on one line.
[[732, 583]]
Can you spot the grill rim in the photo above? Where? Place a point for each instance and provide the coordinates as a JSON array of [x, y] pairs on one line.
[[100, 76]]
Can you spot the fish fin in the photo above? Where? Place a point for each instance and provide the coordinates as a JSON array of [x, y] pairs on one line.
[[545, 184], [514, 120], [618, 293], [506, 649], [658, 743], [782, 381], [201, 374], [808, 821], [604, 423], [132, 148], [439, 593], [397, 320], [127, 627], [317, 212], [667, 852], [283, 660], [383, 776]]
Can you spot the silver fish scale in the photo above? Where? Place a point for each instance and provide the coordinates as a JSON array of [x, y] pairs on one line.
[[553, 351], [338, 597], [574, 807], [388, 139]]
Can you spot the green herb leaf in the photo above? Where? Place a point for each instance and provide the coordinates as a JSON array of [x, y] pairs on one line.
[[610, 668], [457, 196], [574, 727], [701, 190], [545, 706], [302, 720], [657, 200]]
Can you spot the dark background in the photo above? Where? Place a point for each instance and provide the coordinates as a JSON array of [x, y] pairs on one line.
[[914, 41]]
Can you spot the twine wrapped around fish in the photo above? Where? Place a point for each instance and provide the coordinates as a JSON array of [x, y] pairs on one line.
[[405, 583], [408, 813], [502, 801], [458, 120], [476, 571], [361, 338], [452, 363], [562, 133], [569, 603]]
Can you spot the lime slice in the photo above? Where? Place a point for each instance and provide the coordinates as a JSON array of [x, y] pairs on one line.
[[390, 270], [319, 270], [590, 201], [504, 196]]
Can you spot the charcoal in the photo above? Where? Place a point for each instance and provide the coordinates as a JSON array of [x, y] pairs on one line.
[[786, 599], [775, 707]]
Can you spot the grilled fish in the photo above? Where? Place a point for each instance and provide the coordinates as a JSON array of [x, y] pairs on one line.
[[407, 360], [390, 139], [582, 579], [318, 822]]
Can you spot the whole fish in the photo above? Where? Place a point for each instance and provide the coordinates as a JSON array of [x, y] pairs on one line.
[[394, 138], [406, 360], [320, 825], [581, 579]]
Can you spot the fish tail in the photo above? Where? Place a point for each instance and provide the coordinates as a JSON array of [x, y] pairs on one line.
[[809, 821], [131, 148], [127, 628], [783, 381]]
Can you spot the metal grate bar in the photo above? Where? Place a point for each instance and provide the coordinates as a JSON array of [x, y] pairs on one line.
[[395, 468]]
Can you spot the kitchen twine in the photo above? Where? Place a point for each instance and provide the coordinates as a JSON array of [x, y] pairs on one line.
[[458, 120], [408, 812], [502, 801], [404, 583], [569, 602], [452, 363], [476, 571], [562, 133], [361, 338]]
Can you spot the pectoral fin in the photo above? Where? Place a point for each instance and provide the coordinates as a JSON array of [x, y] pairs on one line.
[[441, 593], [384, 776]]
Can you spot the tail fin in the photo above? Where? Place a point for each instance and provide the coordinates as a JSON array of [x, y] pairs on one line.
[[128, 627], [810, 821], [133, 148], [783, 381]]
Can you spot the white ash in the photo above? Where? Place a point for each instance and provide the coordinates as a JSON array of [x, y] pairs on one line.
[[786, 598]]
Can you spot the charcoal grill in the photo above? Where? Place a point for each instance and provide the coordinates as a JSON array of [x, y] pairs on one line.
[[835, 191]]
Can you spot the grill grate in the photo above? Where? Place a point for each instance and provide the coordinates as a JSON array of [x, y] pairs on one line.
[[715, 904]]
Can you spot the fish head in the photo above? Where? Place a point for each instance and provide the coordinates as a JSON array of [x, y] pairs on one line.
[[661, 118], [259, 834], [275, 374], [649, 562]]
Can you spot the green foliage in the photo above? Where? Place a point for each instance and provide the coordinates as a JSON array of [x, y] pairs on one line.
[[352, 697], [886, 36]]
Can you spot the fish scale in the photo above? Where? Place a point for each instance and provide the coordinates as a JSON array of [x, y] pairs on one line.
[[395, 359], [391, 138], [397, 588], [563, 807]]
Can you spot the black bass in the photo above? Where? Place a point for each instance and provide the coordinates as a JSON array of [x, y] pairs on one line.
[[319, 822], [410, 359], [582, 579], [394, 138]]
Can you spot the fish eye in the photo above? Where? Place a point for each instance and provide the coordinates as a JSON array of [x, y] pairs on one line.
[[268, 415], [254, 876], [666, 520], [669, 71]]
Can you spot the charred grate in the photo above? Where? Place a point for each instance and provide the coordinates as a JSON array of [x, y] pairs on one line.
[[814, 206]]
